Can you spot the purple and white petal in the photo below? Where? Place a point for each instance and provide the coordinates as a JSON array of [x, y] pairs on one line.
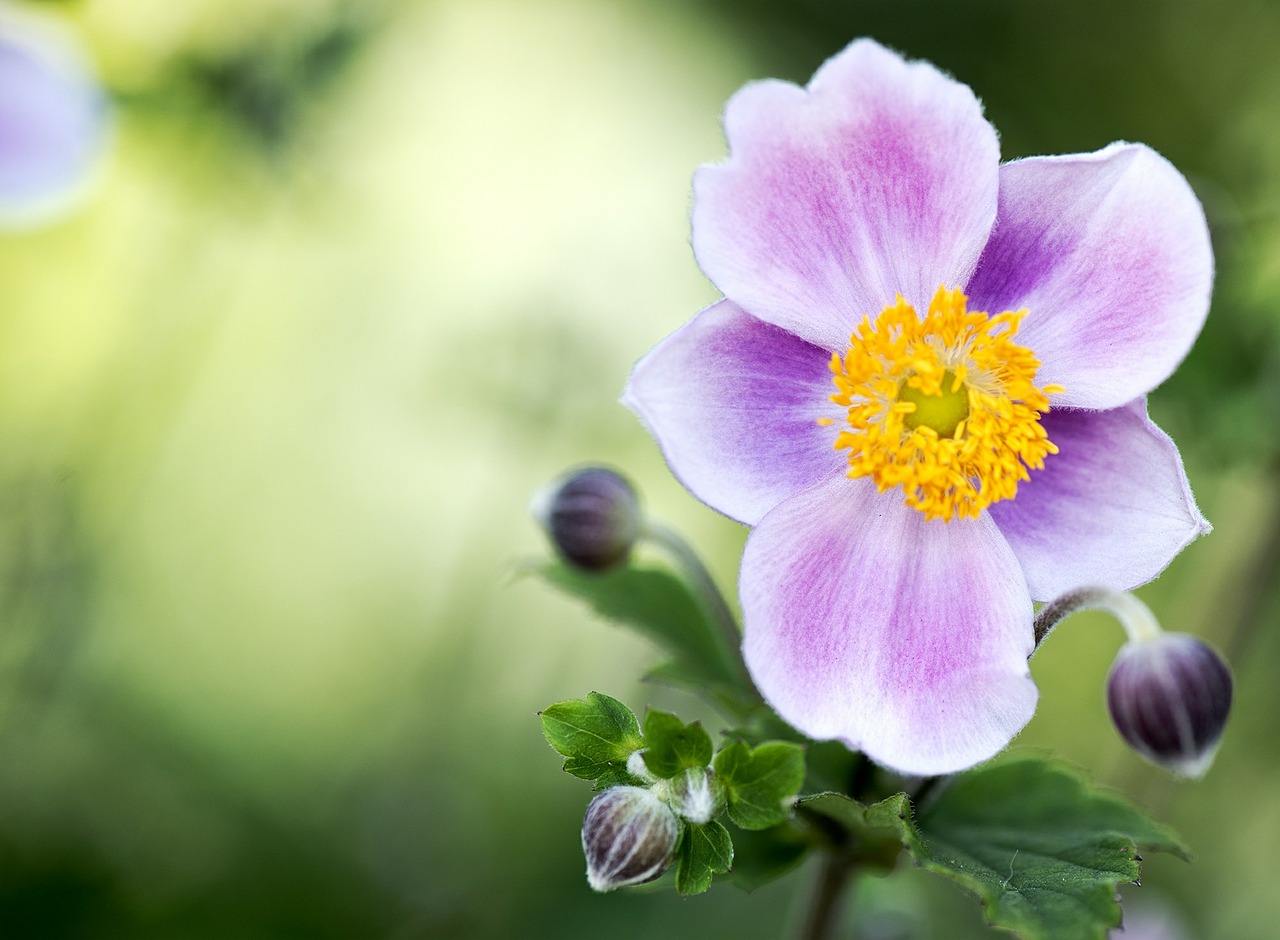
[[1110, 254], [53, 121], [1113, 507], [880, 178], [904, 638], [734, 404]]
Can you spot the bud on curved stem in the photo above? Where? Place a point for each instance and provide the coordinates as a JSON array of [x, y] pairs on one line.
[[629, 837], [1169, 697], [592, 516], [1169, 694]]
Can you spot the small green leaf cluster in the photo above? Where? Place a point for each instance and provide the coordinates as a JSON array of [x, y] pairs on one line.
[[602, 741]]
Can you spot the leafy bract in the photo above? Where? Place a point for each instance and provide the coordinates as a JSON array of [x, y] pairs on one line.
[[673, 746], [596, 736], [759, 781], [704, 851]]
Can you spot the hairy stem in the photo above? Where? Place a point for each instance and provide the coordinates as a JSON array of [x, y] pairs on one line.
[[1136, 618]]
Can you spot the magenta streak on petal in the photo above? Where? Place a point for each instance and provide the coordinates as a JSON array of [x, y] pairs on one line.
[[1110, 254], [905, 638], [880, 178], [734, 403], [1112, 508]]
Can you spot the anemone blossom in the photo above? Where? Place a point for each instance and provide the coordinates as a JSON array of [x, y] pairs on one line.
[[925, 390]]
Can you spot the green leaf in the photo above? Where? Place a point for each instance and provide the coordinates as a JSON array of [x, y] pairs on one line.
[[704, 851], [1042, 850], [596, 736], [759, 780], [876, 833], [659, 605], [673, 746], [613, 775]]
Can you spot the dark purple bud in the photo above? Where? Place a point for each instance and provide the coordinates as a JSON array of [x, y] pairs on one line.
[[592, 516], [629, 837], [1169, 697]]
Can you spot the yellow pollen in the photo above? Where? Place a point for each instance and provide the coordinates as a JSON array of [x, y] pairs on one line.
[[944, 406]]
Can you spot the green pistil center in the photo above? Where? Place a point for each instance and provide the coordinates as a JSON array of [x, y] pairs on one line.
[[942, 412]]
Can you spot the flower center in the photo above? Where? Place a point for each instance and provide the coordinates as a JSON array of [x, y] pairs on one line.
[[944, 406], [942, 412]]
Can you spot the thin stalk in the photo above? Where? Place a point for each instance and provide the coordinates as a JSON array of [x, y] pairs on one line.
[[1136, 617], [828, 898]]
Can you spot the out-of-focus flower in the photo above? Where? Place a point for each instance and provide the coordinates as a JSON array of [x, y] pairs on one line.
[[1169, 697], [1150, 920], [991, 330], [629, 837], [592, 516], [54, 121]]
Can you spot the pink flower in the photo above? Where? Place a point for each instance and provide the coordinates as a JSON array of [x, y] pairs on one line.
[[925, 389]]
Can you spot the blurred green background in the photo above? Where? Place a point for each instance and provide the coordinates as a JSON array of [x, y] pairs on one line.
[[357, 278]]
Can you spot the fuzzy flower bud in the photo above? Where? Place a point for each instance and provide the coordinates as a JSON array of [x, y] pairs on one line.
[[592, 516], [629, 837], [697, 796], [1169, 697]]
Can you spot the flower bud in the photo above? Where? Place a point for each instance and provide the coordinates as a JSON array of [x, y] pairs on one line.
[[629, 837], [1169, 697], [697, 796], [592, 516]]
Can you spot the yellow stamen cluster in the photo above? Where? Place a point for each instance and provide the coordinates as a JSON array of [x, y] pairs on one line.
[[944, 406]]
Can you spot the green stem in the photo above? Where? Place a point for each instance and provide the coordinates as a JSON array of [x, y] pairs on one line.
[[828, 898], [1136, 618]]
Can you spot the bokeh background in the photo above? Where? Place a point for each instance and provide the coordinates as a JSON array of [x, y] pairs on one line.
[[354, 279]]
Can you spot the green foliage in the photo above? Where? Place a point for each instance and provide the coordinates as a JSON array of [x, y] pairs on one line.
[[1042, 850], [673, 746], [874, 834], [659, 605], [596, 736], [758, 781], [704, 851]]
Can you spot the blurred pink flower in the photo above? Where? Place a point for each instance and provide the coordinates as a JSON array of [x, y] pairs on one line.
[[53, 120]]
